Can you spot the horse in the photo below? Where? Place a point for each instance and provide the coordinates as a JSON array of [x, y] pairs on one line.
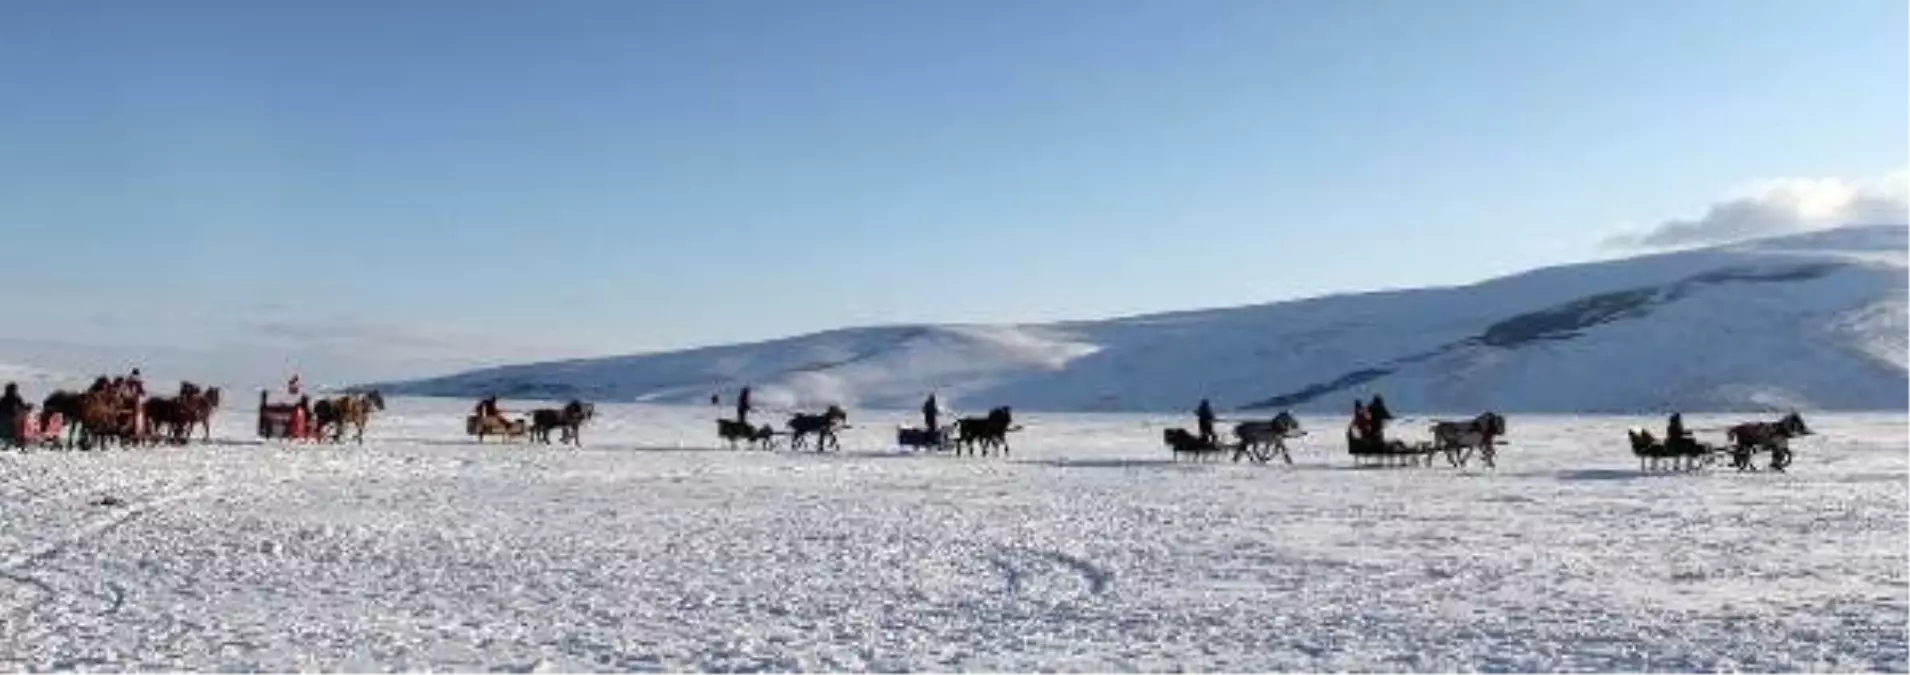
[[1260, 439], [104, 416], [353, 409], [1459, 439], [67, 405], [985, 431], [165, 418], [823, 426], [1750, 437], [1182, 441], [570, 419], [192, 408]]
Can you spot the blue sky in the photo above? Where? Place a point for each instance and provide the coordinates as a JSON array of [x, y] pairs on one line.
[[493, 180]]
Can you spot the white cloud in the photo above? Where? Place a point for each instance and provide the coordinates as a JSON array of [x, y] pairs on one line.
[[1781, 207]]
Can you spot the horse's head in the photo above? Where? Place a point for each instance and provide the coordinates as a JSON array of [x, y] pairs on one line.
[[187, 389], [1002, 415], [1285, 422], [1490, 423], [212, 397], [1793, 425], [835, 412], [377, 400]]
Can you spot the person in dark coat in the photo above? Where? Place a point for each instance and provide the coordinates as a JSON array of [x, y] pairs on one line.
[[487, 408], [1676, 436], [1204, 416], [742, 407], [1379, 415], [12, 407], [929, 412]]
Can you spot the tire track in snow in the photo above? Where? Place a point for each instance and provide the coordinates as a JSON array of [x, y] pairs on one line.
[[11, 567], [1044, 563]]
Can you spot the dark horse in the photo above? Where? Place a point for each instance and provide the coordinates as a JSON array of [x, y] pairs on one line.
[[824, 426], [1750, 437], [69, 406], [1460, 439], [985, 431], [570, 419], [1260, 440], [734, 432], [165, 419]]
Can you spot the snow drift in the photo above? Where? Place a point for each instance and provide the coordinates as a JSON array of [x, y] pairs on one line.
[[1809, 321]]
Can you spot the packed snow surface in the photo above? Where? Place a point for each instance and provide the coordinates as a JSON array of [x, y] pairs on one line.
[[1088, 549]]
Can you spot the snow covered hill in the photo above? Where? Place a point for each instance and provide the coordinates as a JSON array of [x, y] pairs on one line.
[[1811, 321]]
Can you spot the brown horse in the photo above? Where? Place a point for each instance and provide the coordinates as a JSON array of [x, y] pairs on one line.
[[196, 410], [165, 418], [352, 409], [106, 416], [1748, 438]]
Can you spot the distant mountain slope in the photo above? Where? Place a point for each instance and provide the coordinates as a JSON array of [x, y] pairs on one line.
[[1813, 321]]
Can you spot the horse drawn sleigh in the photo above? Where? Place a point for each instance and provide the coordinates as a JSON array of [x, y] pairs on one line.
[[822, 425], [1744, 442], [1366, 439], [307, 420], [1256, 440], [967, 434]]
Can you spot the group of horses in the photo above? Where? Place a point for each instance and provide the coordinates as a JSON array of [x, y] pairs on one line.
[[116, 413], [110, 413], [1743, 443], [1460, 441], [968, 435], [1263, 440]]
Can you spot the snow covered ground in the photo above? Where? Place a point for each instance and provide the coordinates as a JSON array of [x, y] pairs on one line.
[[1086, 550]]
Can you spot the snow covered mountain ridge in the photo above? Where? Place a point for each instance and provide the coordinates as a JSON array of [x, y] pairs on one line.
[[1813, 321]]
